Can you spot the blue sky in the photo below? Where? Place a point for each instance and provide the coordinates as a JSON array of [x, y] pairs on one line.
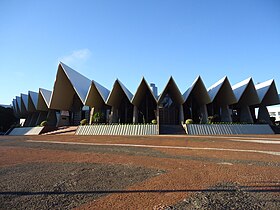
[[105, 40]]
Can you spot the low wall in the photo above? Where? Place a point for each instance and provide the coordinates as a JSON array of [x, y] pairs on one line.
[[26, 131], [135, 130], [227, 129]]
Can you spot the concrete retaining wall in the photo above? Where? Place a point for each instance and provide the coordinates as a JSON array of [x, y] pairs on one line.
[[134, 130], [26, 131], [218, 129]]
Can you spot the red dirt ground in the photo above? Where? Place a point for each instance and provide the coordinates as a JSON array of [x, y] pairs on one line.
[[186, 170]]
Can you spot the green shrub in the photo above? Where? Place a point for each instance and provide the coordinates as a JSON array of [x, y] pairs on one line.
[[44, 123], [98, 117], [154, 121], [189, 121], [83, 122]]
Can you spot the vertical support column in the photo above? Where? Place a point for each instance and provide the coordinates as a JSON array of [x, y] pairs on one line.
[[245, 115], [225, 114], [91, 115], [114, 115], [181, 114], [204, 113], [263, 114], [135, 114]]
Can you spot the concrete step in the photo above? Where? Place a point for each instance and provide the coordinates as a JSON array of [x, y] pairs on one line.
[[172, 129]]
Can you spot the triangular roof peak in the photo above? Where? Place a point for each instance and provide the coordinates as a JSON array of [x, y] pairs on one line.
[[245, 92], [112, 98], [228, 95], [94, 100], [137, 95], [175, 91], [79, 82], [267, 92], [214, 89], [32, 101], [46, 94], [240, 87], [24, 98], [203, 94]]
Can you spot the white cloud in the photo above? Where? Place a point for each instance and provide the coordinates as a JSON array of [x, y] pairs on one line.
[[76, 58]]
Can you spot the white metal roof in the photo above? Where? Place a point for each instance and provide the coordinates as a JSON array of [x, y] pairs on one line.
[[18, 99], [197, 81], [24, 99], [214, 89], [79, 82], [34, 98], [104, 92], [46, 95], [112, 97], [263, 87], [240, 87]]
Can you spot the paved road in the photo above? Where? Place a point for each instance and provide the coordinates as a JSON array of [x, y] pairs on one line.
[[105, 172]]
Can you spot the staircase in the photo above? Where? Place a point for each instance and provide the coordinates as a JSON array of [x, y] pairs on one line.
[[64, 130], [172, 130]]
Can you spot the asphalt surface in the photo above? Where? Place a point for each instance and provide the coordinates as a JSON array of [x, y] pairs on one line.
[[37, 172]]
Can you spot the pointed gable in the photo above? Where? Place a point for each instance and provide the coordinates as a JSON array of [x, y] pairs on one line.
[[18, 100], [32, 101], [68, 83], [97, 95], [221, 92], [172, 89], [79, 82], [141, 91], [44, 97], [267, 93], [198, 90], [24, 102], [245, 92], [119, 89]]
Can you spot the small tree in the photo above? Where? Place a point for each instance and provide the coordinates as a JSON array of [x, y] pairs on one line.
[[97, 117]]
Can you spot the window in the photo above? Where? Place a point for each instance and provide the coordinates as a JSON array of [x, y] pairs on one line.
[[272, 114]]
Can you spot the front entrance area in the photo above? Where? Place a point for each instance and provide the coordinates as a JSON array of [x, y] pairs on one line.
[[168, 111], [168, 116]]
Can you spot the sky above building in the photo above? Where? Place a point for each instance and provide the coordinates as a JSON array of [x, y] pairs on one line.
[[124, 39]]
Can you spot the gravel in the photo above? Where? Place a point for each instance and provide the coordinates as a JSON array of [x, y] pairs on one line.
[[231, 196], [64, 185]]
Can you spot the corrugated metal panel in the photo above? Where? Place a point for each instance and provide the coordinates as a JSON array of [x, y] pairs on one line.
[[117, 130], [195, 129]]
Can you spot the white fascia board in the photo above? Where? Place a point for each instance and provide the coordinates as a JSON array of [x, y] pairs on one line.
[[46, 96], [239, 88], [80, 83], [214, 89]]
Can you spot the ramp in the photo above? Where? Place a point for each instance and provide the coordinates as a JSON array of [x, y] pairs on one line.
[[26, 131], [227, 129]]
